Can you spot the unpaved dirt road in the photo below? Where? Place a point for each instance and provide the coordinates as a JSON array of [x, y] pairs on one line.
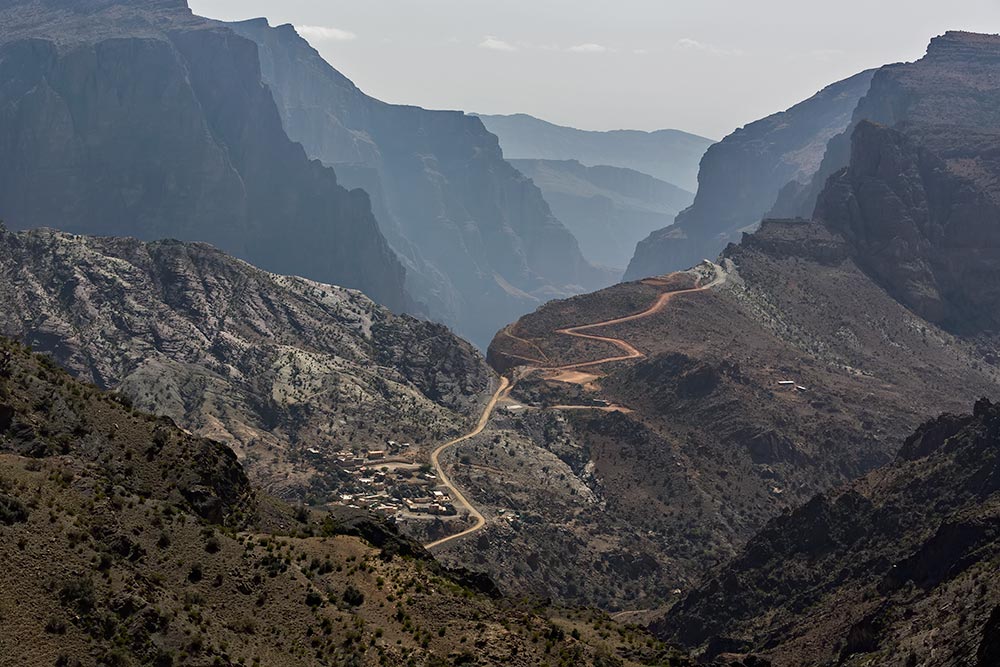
[[630, 352], [457, 494]]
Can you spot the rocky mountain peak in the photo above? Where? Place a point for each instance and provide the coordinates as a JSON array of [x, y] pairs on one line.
[[958, 44]]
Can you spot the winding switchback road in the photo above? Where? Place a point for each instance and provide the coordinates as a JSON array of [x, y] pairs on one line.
[[630, 352], [484, 419]]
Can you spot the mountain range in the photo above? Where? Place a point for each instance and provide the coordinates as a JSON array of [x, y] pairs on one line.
[[741, 402], [608, 209], [669, 155], [140, 119], [801, 360], [268, 443], [189, 131], [275, 367], [128, 541], [477, 238], [741, 177]]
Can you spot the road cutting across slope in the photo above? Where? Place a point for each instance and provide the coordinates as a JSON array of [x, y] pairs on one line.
[[457, 494], [631, 352]]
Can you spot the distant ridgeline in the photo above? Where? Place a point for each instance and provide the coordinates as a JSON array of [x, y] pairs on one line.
[[141, 119], [478, 240], [741, 176], [943, 109]]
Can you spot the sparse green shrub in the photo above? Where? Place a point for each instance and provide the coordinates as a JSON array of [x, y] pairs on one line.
[[55, 626], [12, 510], [353, 596], [79, 594]]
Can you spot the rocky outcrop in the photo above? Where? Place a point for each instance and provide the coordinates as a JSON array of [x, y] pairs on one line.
[[273, 366], [141, 119], [479, 242], [741, 177], [953, 86], [608, 209], [867, 570], [54, 416], [925, 232], [794, 238], [669, 155], [919, 200]]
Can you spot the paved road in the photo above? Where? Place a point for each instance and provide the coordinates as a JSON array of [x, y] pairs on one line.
[[457, 494]]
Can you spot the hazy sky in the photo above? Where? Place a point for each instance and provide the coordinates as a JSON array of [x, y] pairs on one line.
[[705, 66]]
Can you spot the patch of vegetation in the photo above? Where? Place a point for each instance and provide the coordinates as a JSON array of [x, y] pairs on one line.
[[12, 510]]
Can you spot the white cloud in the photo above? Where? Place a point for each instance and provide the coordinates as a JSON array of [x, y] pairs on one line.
[[495, 44], [325, 32], [688, 44], [588, 48]]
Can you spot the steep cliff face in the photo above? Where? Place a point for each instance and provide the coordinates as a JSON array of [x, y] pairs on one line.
[[670, 155], [926, 233], [897, 569], [608, 209], [480, 244], [741, 176], [920, 200], [954, 85], [141, 119], [273, 366]]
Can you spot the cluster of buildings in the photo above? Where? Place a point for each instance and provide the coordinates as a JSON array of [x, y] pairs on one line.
[[390, 483]]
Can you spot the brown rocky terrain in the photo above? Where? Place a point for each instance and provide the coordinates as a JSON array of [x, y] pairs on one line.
[[898, 568], [708, 443], [827, 344], [285, 370], [126, 541]]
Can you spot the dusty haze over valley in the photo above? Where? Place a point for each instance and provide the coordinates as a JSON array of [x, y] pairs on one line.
[[528, 334]]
